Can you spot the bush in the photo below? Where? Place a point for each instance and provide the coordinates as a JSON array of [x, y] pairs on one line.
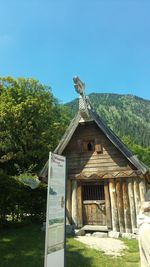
[[19, 202]]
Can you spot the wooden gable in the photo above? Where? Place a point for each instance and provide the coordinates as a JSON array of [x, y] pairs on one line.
[[89, 151]]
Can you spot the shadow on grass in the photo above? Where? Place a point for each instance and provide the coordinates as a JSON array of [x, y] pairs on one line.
[[22, 247], [79, 255], [76, 255]]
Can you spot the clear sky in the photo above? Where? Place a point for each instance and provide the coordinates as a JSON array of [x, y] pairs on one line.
[[106, 43]]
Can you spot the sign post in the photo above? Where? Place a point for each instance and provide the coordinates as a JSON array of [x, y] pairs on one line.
[[55, 220]]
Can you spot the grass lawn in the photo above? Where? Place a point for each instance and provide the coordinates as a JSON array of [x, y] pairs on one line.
[[24, 247], [78, 255]]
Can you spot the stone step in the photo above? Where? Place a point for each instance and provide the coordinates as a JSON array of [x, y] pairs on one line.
[[95, 228]]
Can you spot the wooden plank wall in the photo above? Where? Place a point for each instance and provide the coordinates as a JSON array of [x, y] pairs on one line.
[[123, 198], [110, 159], [126, 197]]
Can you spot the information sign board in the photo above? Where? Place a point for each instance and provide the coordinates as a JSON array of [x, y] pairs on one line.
[[55, 221]]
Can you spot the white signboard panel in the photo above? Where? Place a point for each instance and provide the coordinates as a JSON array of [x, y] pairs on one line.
[[55, 223]]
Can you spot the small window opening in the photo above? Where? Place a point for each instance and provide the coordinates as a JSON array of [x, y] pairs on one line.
[[93, 192], [89, 146]]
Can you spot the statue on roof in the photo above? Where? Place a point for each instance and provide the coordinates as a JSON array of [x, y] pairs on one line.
[[79, 85], [83, 104]]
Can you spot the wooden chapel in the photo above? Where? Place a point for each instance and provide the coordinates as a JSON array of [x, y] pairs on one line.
[[106, 183]]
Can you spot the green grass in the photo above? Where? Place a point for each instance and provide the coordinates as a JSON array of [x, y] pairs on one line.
[[78, 255], [24, 247]]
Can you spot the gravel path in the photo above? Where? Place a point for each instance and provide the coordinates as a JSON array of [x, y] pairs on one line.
[[109, 246]]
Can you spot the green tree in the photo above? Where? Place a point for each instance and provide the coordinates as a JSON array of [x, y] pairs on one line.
[[142, 153], [31, 123]]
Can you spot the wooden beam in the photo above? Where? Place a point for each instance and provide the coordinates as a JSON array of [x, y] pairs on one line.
[[147, 176], [137, 196], [114, 211], [98, 169], [142, 189], [107, 205], [132, 205], [127, 216], [120, 205], [74, 202], [68, 201], [104, 175], [79, 206]]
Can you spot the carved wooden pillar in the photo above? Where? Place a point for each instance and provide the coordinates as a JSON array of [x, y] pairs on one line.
[[107, 205], [68, 201], [142, 189], [120, 206], [74, 202], [79, 205], [127, 216], [132, 205], [137, 196], [114, 211]]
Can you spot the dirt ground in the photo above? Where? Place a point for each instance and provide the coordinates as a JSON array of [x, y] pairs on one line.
[[109, 246]]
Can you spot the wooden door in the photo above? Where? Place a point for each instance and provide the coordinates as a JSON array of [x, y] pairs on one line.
[[94, 212]]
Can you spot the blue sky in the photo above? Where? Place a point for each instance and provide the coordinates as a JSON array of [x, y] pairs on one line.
[[106, 43]]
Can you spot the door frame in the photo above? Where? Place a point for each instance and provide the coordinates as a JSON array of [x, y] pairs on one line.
[[80, 200]]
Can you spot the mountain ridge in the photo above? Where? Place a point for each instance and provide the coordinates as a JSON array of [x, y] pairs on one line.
[[127, 115]]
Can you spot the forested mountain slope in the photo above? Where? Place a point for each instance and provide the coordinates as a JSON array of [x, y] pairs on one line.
[[127, 115]]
